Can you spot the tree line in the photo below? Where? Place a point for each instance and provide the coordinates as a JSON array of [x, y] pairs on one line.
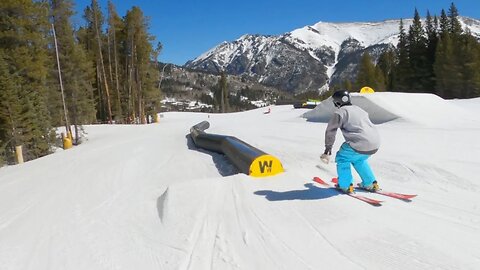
[[108, 66], [437, 56]]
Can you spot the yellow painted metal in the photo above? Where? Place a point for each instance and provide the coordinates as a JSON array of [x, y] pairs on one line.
[[366, 90], [67, 143], [265, 165]]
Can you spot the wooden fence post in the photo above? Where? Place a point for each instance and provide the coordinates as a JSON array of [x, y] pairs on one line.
[[19, 154]]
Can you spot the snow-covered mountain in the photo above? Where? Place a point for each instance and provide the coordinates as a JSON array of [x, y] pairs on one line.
[[307, 58]]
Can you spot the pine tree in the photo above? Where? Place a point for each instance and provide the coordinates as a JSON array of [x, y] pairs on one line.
[[386, 65], [369, 75], [347, 85], [76, 71], [129, 63], [432, 40], [444, 59], [143, 95], [380, 80], [115, 26], [450, 58], [444, 67], [220, 93], [416, 47], [402, 69], [225, 94], [444, 23], [95, 19], [454, 26], [10, 111], [467, 57], [470, 66], [24, 31]]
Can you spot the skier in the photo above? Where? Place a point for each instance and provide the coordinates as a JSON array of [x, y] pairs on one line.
[[361, 141]]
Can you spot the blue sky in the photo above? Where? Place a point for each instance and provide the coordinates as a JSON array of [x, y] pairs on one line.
[[189, 28]]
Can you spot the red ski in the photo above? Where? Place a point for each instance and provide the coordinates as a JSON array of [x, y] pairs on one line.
[[354, 195], [405, 197]]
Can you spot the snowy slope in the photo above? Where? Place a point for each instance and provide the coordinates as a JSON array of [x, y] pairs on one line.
[[143, 197], [310, 38], [320, 35], [328, 52], [334, 34], [246, 45], [367, 33]]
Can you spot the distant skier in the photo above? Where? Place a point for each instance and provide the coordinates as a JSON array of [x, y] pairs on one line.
[[361, 141]]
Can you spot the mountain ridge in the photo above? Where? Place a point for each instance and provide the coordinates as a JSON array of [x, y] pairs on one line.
[[307, 58]]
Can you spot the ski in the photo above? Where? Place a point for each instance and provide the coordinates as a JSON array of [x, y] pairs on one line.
[[404, 197], [400, 196], [354, 195]]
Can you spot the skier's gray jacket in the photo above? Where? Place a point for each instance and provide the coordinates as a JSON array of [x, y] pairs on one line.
[[359, 132]]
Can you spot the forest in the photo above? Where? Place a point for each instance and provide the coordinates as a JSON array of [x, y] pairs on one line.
[[437, 56], [106, 72]]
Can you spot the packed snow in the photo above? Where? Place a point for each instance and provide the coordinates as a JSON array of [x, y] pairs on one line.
[[144, 197]]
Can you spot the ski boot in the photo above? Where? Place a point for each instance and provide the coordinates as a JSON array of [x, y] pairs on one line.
[[372, 188], [348, 190]]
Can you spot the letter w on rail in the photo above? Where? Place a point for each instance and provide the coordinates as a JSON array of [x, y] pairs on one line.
[[265, 165]]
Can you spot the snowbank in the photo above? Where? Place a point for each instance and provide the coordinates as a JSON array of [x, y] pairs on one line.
[[423, 109]]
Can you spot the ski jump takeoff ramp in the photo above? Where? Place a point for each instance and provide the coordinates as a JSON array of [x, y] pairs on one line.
[[248, 159]]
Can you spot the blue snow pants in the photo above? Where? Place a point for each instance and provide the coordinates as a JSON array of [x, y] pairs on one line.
[[346, 156]]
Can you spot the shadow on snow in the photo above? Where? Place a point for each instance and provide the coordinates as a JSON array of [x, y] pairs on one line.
[[311, 193], [223, 165]]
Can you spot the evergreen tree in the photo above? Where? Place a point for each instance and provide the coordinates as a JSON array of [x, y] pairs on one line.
[[432, 40], [470, 66], [380, 80], [442, 56], [450, 56], [467, 56], [401, 79], [444, 23], [454, 26], [225, 93], [445, 71], [386, 65], [220, 93], [115, 26], [128, 66], [143, 95], [95, 20], [369, 75], [416, 47], [24, 59], [10, 110], [77, 73], [123, 60], [347, 85]]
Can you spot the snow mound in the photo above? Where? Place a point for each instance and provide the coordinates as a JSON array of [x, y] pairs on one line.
[[185, 202], [423, 109]]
